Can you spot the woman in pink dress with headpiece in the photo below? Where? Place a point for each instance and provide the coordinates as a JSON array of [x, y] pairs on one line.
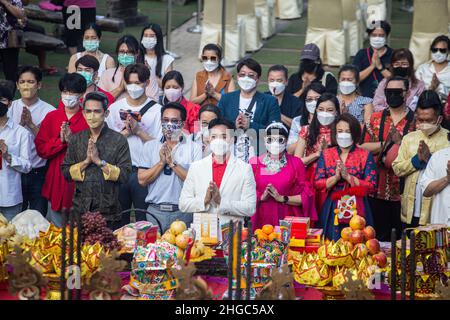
[[281, 186]]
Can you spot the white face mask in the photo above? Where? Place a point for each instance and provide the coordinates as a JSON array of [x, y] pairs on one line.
[[347, 87], [325, 118], [210, 66], [276, 88], [172, 94], [344, 139], [275, 148], [311, 106], [377, 42], [219, 147], [70, 101], [246, 83], [205, 132], [439, 57], [149, 42], [135, 91]]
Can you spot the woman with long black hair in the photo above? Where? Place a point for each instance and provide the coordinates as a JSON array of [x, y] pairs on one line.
[[316, 137], [128, 52], [156, 58], [308, 101]]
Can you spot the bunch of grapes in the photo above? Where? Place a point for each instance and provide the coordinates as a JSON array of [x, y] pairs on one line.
[[95, 230]]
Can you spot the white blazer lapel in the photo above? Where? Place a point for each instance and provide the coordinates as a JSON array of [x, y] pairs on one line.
[[206, 171]]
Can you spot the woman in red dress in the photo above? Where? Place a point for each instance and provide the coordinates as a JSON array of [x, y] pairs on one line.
[[317, 137]]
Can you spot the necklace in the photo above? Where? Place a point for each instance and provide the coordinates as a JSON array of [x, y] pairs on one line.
[[274, 165]]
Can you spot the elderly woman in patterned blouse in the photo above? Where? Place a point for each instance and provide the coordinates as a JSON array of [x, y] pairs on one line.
[[349, 97]]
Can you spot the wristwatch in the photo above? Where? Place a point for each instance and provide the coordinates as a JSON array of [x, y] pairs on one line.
[[285, 199], [102, 163]]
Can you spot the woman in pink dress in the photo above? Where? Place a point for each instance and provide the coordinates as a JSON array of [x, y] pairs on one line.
[[281, 186]]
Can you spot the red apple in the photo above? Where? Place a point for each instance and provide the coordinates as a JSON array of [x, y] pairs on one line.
[[381, 259], [369, 233], [357, 223], [357, 237], [373, 245], [346, 233]]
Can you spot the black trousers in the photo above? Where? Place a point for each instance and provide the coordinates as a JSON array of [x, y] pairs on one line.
[[10, 61], [386, 216]]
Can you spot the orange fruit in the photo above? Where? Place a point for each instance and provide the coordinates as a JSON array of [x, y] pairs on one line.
[[267, 229], [257, 231], [272, 236], [262, 236]]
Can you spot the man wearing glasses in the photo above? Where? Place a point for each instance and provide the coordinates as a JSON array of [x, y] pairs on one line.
[[164, 165], [248, 108]]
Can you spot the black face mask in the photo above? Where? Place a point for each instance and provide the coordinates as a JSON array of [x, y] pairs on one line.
[[3, 109], [309, 66], [401, 72], [394, 97]]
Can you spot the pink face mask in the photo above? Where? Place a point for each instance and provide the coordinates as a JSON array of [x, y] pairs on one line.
[[173, 95]]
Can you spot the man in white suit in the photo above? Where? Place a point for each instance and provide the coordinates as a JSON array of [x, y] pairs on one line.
[[220, 183]]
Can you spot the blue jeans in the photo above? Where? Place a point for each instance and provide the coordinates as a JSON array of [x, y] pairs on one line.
[[32, 184], [10, 212], [166, 218], [132, 194]]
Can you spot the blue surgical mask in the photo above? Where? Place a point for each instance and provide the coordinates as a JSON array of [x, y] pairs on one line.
[[89, 76], [126, 59], [91, 45]]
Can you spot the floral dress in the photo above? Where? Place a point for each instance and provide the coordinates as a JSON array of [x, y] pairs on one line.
[[324, 135], [360, 164]]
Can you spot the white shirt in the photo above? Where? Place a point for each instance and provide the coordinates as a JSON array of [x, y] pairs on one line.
[[294, 132], [18, 141], [167, 60], [38, 112], [244, 103], [150, 123], [418, 199], [425, 73], [437, 169], [166, 189]]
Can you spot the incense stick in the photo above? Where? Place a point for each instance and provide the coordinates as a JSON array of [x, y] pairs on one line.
[[393, 265], [63, 255], [71, 248], [230, 260], [403, 267], [412, 266], [248, 280], [238, 261], [79, 228]]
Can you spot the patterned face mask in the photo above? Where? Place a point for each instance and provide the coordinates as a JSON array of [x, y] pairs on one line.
[[171, 129]]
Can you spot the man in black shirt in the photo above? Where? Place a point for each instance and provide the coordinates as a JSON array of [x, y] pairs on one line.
[[311, 69], [290, 106]]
